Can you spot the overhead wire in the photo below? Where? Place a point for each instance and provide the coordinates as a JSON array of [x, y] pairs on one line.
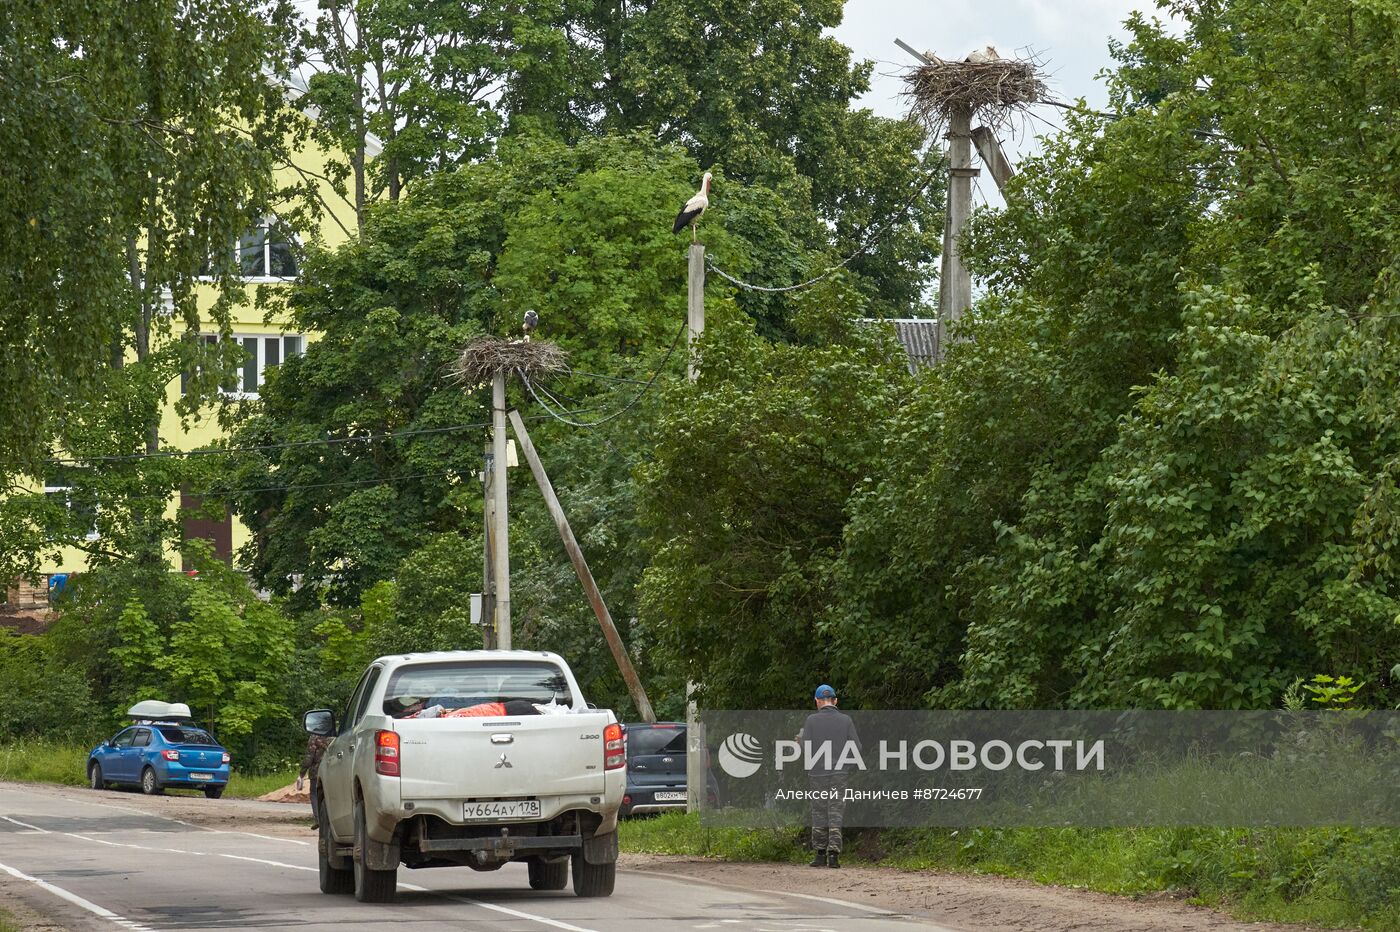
[[530, 387], [869, 239], [263, 447]]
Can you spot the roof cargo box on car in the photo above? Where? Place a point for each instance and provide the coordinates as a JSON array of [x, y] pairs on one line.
[[155, 710]]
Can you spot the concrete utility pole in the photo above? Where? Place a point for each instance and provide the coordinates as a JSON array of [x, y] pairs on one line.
[[955, 284], [695, 779], [488, 557], [695, 307], [585, 576], [500, 542]]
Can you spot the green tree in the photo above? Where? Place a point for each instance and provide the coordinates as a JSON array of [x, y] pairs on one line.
[[208, 640], [1156, 473], [745, 497], [137, 142]]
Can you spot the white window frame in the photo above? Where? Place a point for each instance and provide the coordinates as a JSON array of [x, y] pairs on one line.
[[266, 223], [93, 533], [260, 357]]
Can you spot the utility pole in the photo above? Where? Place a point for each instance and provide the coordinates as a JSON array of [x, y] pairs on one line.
[[695, 307], [501, 536], [488, 565], [585, 576], [955, 284], [695, 773]]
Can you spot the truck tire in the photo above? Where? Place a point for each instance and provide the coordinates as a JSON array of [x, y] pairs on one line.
[[95, 777], [150, 783], [371, 886], [593, 879], [548, 875], [337, 876]]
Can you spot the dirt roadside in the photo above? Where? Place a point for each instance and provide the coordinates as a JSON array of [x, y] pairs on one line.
[[16, 913], [960, 901]]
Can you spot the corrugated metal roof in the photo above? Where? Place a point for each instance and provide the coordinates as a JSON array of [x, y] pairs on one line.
[[918, 336]]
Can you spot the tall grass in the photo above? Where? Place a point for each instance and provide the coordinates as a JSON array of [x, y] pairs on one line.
[[1326, 877], [44, 760]]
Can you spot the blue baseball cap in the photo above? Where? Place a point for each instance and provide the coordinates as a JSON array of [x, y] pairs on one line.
[[825, 692]]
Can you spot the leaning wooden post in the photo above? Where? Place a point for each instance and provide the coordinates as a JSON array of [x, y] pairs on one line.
[[590, 587]]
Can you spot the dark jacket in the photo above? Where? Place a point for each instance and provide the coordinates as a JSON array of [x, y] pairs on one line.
[[828, 728], [315, 749]]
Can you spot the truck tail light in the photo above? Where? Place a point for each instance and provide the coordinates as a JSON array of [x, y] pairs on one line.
[[172, 754], [614, 753], [386, 753]]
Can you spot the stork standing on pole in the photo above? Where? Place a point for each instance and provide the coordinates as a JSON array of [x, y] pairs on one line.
[[690, 213]]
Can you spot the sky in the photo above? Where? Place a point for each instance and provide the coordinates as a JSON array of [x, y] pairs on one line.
[[1069, 36]]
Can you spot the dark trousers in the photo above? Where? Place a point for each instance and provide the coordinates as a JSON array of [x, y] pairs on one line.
[[828, 809]]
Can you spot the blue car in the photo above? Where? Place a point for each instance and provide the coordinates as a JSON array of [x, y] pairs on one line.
[[157, 755]]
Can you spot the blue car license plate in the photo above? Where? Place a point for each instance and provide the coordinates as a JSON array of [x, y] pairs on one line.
[[201, 776]]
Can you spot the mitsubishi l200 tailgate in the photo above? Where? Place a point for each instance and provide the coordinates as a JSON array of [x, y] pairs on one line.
[[502, 757]]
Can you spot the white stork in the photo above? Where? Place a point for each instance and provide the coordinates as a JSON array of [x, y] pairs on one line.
[[690, 213]]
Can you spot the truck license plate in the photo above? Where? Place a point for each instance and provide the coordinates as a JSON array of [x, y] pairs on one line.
[[670, 797], [501, 809]]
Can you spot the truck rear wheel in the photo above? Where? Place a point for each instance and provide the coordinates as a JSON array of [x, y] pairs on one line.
[[548, 875], [371, 886], [337, 876], [593, 879]]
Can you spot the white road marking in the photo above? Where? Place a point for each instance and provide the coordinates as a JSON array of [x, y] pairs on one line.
[[76, 900], [291, 841], [156, 815], [543, 920], [518, 914], [33, 829]]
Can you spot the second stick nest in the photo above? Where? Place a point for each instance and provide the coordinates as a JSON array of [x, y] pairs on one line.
[[484, 356], [991, 89]]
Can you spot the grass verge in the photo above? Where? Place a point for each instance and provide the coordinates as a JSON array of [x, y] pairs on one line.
[[1335, 877], [64, 763]]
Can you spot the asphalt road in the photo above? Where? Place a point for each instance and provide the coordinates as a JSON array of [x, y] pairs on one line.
[[101, 860]]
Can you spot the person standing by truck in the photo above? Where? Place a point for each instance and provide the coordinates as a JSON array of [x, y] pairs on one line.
[[825, 737], [310, 761]]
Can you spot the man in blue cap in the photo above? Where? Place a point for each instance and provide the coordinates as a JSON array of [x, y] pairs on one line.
[[825, 738]]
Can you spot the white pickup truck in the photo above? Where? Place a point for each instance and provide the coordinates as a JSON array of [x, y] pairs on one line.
[[474, 758]]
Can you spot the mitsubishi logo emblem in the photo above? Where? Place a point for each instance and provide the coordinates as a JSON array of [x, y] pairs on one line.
[[502, 763]]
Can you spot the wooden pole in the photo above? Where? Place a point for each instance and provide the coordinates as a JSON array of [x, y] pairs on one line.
[[501, 541], [989, 147], [695, 775], [955, 284], [590, 587]]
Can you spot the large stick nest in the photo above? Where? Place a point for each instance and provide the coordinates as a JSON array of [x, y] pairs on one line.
[[991, 89], [484, 356]]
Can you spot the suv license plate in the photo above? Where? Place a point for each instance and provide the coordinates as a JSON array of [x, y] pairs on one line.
[[501, 809], [670, 797], [201, 776]]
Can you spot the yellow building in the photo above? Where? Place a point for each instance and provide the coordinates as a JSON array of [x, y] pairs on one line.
[[267, 256]]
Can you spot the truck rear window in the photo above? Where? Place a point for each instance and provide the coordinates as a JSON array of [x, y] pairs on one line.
[[514, 687]]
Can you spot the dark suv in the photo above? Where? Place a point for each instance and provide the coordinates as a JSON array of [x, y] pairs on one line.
[[655, 768]]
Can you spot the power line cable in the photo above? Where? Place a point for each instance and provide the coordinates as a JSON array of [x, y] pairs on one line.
[[869, 239], [621, 411], [259, 448]]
